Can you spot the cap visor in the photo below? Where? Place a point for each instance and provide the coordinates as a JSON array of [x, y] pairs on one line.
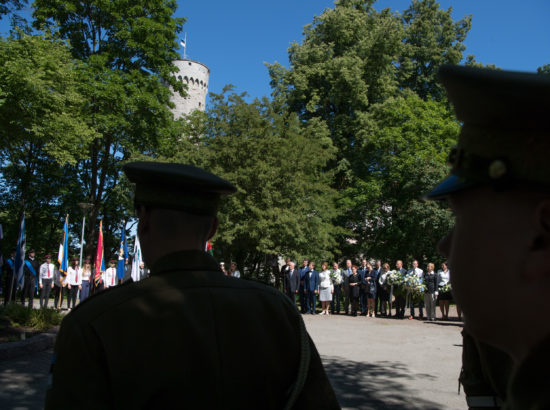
[[448, 186]]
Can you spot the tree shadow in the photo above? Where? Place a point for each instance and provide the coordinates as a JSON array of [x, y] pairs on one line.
[[382, 385], [24, 381]]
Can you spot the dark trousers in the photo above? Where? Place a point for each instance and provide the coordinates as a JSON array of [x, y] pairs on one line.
[[383, 296], [400, 306], [303, 299], [45, 292], [335, 303], [420, 308], [71, 297], [29, 287], [354, 304], [363, 300], [291, 296], [346, 299], [311, 302], [10, 287], [85, 291]]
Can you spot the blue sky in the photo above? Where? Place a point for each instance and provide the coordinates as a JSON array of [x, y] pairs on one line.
[[235, 38]]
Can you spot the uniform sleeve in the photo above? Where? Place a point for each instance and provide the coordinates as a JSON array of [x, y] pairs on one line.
[[78, 378]]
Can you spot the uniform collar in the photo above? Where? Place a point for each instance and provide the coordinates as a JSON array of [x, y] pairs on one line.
[[190, 260]]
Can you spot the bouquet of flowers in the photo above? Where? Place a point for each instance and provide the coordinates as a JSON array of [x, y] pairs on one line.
[[336, 277], [445, 288], [415, 286], [394, 278]]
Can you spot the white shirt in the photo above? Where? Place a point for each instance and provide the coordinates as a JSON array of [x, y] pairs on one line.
[[236, 274], [74, 276], [419, 273], [46, 272], [109, 277], [444, 277]]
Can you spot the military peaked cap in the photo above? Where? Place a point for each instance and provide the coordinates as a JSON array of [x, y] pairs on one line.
[[505, 135], [177, 186]]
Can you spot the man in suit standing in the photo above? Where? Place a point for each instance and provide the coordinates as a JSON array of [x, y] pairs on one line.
[[399, 297], [292, 281], [346, 273], [378, 269], [363, 272], [312, 287], [303, 295], [419, 273]]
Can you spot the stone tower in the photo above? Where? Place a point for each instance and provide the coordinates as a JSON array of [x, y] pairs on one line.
[[196, 76]]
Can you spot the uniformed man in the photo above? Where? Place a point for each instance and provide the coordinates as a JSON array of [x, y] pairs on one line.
[[188, 336], [10, 281], [109, 276], [31, 268], [499, 249]]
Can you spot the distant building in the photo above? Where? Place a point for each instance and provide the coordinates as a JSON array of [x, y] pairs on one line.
[[196, 75]]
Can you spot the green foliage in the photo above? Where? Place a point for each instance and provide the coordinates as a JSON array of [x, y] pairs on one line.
[[370, 76], [284, 204], [431, 40], [545, 69], [21, 316]]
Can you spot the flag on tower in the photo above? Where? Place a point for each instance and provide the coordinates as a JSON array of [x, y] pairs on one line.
[[122, 253], [99, 259], [20, 253]]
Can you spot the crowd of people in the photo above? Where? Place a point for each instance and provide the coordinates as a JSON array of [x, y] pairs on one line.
[[369, 289], [44, 279]]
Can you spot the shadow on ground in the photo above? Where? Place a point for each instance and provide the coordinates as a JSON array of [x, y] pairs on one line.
[[24, 381], [382, 385]]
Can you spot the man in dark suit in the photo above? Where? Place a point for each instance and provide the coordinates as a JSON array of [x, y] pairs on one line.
[[312, 287], [363, 272], [378, 269], [292, 281], [303, 295], [346, 272]]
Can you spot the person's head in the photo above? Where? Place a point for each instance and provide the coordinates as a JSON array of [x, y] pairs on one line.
[[386, 267], [112, 263], [324, 266], [48, 258], [399, 264], [291, 265], [87, 265], [335, 266], [354, 269], [378, 263], [431, 267], [415, 264], [75, 262], [305, 263], [233, 267], [287, 261], [176, 205], [142, 265], [444, 266], [348, 263], [222, 266], [364, 263], [369, 266], [311, 265], [499, 192], [32, 253]]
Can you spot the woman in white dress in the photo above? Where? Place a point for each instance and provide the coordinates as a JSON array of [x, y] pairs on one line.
[[326, 289], [444, 297]]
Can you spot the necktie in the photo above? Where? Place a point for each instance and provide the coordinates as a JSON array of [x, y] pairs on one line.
[[49, 273], [77, 276]]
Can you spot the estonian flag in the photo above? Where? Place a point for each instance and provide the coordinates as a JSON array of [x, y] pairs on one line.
[[63, 255]]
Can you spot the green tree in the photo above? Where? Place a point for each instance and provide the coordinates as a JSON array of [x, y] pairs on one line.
[[431, 40], [284, 204], [126, 50], [41, 130]]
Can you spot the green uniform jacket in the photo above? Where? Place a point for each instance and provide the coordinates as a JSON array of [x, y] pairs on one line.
[[529, 387], [186, 337]]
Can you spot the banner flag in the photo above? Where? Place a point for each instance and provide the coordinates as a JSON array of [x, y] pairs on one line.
[[99, 259], [20, 253], [122, 253]]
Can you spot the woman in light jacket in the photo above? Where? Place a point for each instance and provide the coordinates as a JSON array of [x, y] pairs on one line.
[[326, 288]]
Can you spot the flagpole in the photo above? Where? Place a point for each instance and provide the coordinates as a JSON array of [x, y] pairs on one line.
[[85, 207]]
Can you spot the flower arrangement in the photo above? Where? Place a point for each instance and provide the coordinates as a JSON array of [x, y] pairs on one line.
[[414, 285], [445, 288], [394, 278], [336, 277]]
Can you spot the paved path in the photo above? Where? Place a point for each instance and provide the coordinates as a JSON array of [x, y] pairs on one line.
[[373, 363], [376, 363]]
